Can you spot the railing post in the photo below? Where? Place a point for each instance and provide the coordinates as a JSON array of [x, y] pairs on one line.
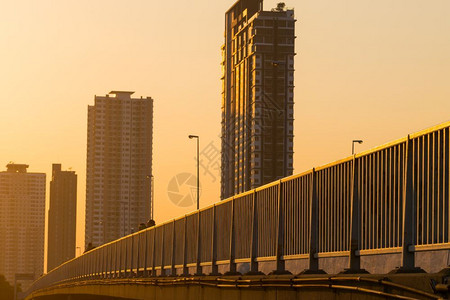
[[119, 253], [198, 270], [154, 252], [102, 268], [408, 222], [116, 262], [254, 239], [138, 262], [93, 261], [94, 267], [90, 265], [163, 272], [214, 267], [131, 256], [126, 259], [145, 273], [280, 264], [233, 268], [87, 267], [173, 271], [105, 267], [354, 262], [109, 262], [98, 267], [185, 268], [103, 264], [138, 253], [313, 228], [116, 274], [81, 268]]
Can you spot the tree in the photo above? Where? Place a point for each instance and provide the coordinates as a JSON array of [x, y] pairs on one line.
[[89, 247], [6, 289]]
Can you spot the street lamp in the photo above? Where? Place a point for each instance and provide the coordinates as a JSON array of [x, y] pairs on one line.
[[353, 145], [198, 168]]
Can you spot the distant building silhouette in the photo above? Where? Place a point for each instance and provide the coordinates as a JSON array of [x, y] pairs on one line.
[[257, 98], [62, 217], [22, 222], [119, 166]]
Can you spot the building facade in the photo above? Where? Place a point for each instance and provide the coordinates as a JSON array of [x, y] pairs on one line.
[[22, 222], [257, 96], [119, 166], [62, 217]]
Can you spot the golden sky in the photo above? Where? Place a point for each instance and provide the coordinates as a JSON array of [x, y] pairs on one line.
[[371, 70]]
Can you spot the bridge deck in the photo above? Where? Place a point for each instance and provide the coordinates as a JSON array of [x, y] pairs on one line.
[[366, 286]]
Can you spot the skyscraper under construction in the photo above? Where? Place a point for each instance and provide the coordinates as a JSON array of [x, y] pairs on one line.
[[257, 96]]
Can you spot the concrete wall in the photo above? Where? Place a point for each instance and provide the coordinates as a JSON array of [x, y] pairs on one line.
[[429, 261]]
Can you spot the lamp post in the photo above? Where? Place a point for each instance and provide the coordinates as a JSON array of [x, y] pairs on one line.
[[198, 168], [353, 145]]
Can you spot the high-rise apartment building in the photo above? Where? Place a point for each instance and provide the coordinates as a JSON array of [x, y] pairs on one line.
[[62, 217], [119, 166], [22, 222], [258, 96]]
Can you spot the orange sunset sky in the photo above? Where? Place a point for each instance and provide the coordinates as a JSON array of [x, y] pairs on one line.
[[370, 70]]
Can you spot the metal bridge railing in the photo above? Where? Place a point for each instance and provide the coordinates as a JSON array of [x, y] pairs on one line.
[[391, 198]]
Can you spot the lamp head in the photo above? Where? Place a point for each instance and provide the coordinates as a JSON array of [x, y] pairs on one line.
[[358, 141], [193, 136]]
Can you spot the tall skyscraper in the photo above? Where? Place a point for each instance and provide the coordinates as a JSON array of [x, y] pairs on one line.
[[119, 166], [22, 222], [258, 96], [62, 217]]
